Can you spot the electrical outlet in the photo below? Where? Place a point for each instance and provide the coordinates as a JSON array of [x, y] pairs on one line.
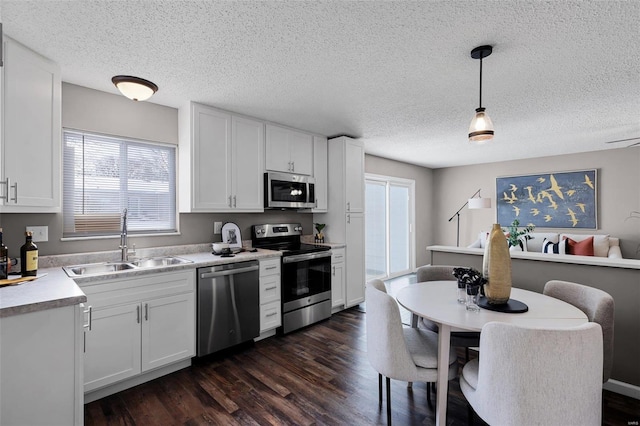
[[217, 227], [40, 233]]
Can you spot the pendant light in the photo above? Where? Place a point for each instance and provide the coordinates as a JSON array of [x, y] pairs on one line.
[[135, 88], [481, 128]]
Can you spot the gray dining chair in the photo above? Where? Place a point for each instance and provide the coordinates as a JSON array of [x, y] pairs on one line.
[[397, 352], [535, 376], [464, 339], [597, 305]]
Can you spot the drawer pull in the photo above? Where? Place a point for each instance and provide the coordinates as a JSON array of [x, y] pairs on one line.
[[272, 314], [270, 267], [271, 288]]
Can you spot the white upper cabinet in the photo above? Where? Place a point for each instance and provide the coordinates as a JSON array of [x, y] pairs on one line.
[[30, 154], [221, 158], [320, 153], [354, 181], [288, 151]]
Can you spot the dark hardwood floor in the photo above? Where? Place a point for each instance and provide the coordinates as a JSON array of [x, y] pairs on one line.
[[319, 375]]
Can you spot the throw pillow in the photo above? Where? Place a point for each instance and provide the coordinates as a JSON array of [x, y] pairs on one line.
[[554, 248], [580, 248]]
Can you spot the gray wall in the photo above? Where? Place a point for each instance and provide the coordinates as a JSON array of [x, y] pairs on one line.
[[93, 110], [618, 194], [424, 197]]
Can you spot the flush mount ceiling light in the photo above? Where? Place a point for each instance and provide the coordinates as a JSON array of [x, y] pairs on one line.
[[134, 88], [481, 128]]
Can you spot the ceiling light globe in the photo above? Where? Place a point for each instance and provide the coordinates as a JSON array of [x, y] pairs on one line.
[[134, 88], [481, 128]]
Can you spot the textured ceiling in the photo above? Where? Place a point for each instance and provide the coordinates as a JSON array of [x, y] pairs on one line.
[[564, 76]]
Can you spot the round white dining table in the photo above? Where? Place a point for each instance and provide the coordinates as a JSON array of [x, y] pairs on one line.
[[437, 301]]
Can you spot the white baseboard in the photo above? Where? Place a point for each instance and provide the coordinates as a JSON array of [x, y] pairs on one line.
[[135, 381], [622, 388]]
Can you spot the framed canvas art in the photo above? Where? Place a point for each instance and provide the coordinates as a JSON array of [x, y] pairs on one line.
[[549, 200]]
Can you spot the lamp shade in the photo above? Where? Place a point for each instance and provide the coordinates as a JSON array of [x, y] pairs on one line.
[[481, 128], [135, 88], [480, 203]]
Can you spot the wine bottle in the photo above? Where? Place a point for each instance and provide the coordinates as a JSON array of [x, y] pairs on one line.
[[29, 257], [4, 258]]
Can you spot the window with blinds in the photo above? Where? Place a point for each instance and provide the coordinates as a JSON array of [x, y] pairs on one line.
[[103, 175]]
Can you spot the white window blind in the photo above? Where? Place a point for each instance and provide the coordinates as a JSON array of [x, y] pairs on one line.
[[104, 175]]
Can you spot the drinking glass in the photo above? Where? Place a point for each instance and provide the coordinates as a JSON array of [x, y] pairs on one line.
[[473, 293], [462, 293]]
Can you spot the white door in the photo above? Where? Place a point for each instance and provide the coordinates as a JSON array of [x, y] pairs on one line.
[[211, 159], [320, 172], [168, 330], [301, 153], [32, 134], [337, 284], [355, 240], [390, 246], [247, 165], [277, 152], [112, 346], [354, 183]]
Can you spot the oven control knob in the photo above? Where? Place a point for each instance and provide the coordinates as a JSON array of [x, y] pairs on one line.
[[258, 231], [298, 228]]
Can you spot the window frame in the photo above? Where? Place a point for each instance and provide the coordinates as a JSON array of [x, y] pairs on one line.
[[69, 209]]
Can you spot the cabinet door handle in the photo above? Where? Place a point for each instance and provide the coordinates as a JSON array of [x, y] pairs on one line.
[[15, 193], [293, 166], [271, 288], [89, 313], [146, 312], [348, 218], [7, 185], [349, 206], [229, 200], [334, 271], [234, 201], [138, 314]]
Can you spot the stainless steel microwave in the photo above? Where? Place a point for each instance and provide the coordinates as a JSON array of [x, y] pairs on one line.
[[289, 191]]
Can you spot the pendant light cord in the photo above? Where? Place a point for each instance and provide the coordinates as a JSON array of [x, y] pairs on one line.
[[480, 82]]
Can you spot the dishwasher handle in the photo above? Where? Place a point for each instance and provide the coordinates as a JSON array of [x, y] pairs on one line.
[[206, 275]]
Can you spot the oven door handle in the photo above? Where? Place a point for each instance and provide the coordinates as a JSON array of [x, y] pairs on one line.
[[303, 257]]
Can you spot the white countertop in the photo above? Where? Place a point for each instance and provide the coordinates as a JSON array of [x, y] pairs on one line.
[[55, 289]]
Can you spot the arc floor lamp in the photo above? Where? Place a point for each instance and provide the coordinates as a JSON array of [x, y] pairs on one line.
[[474, 203]]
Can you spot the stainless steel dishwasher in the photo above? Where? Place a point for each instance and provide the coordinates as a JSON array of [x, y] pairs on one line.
[[228, 305]]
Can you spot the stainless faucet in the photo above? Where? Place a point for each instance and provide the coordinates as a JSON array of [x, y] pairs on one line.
[[123, 237]]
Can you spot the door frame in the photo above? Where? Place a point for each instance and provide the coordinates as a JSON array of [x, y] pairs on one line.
[[411, 185]]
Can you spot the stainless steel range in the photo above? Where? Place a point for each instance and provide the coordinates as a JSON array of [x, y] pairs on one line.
[[306, 274]]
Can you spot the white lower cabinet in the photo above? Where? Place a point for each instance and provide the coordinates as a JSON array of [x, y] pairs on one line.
[[270, 298], [138, 325], [41, 367], [337, 277], [112, 346], [167, 330]]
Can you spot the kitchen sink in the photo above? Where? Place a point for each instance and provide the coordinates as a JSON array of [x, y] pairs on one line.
[[155, 262], [97, 268], [109, 267]]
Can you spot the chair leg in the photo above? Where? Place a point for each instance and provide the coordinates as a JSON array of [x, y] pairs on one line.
[[469, 414], [429, 393], [409, 385], [466, 353], [380, 389], [388, 401]]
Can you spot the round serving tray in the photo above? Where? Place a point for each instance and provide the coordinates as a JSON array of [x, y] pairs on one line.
[[512, 306]]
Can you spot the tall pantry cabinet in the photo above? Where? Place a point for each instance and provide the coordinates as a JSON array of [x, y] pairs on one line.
[[345, 214]]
